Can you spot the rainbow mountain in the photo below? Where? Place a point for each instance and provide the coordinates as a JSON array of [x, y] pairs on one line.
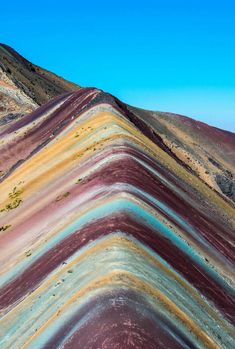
[[117, 228]]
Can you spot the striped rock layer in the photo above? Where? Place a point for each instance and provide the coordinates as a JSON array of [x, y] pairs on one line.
[[107, 238]]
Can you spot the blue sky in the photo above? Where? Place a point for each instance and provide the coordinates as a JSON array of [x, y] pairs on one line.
[[167, 55]]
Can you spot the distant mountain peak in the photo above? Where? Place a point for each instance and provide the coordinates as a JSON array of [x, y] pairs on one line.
[[24, 86]]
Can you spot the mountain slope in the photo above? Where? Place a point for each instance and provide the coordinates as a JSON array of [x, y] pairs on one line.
[[206, 150], [25, 86], [108, 238]]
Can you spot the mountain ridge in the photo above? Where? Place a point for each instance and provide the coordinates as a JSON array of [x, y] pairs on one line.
[[213, 163], [105, 231]]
